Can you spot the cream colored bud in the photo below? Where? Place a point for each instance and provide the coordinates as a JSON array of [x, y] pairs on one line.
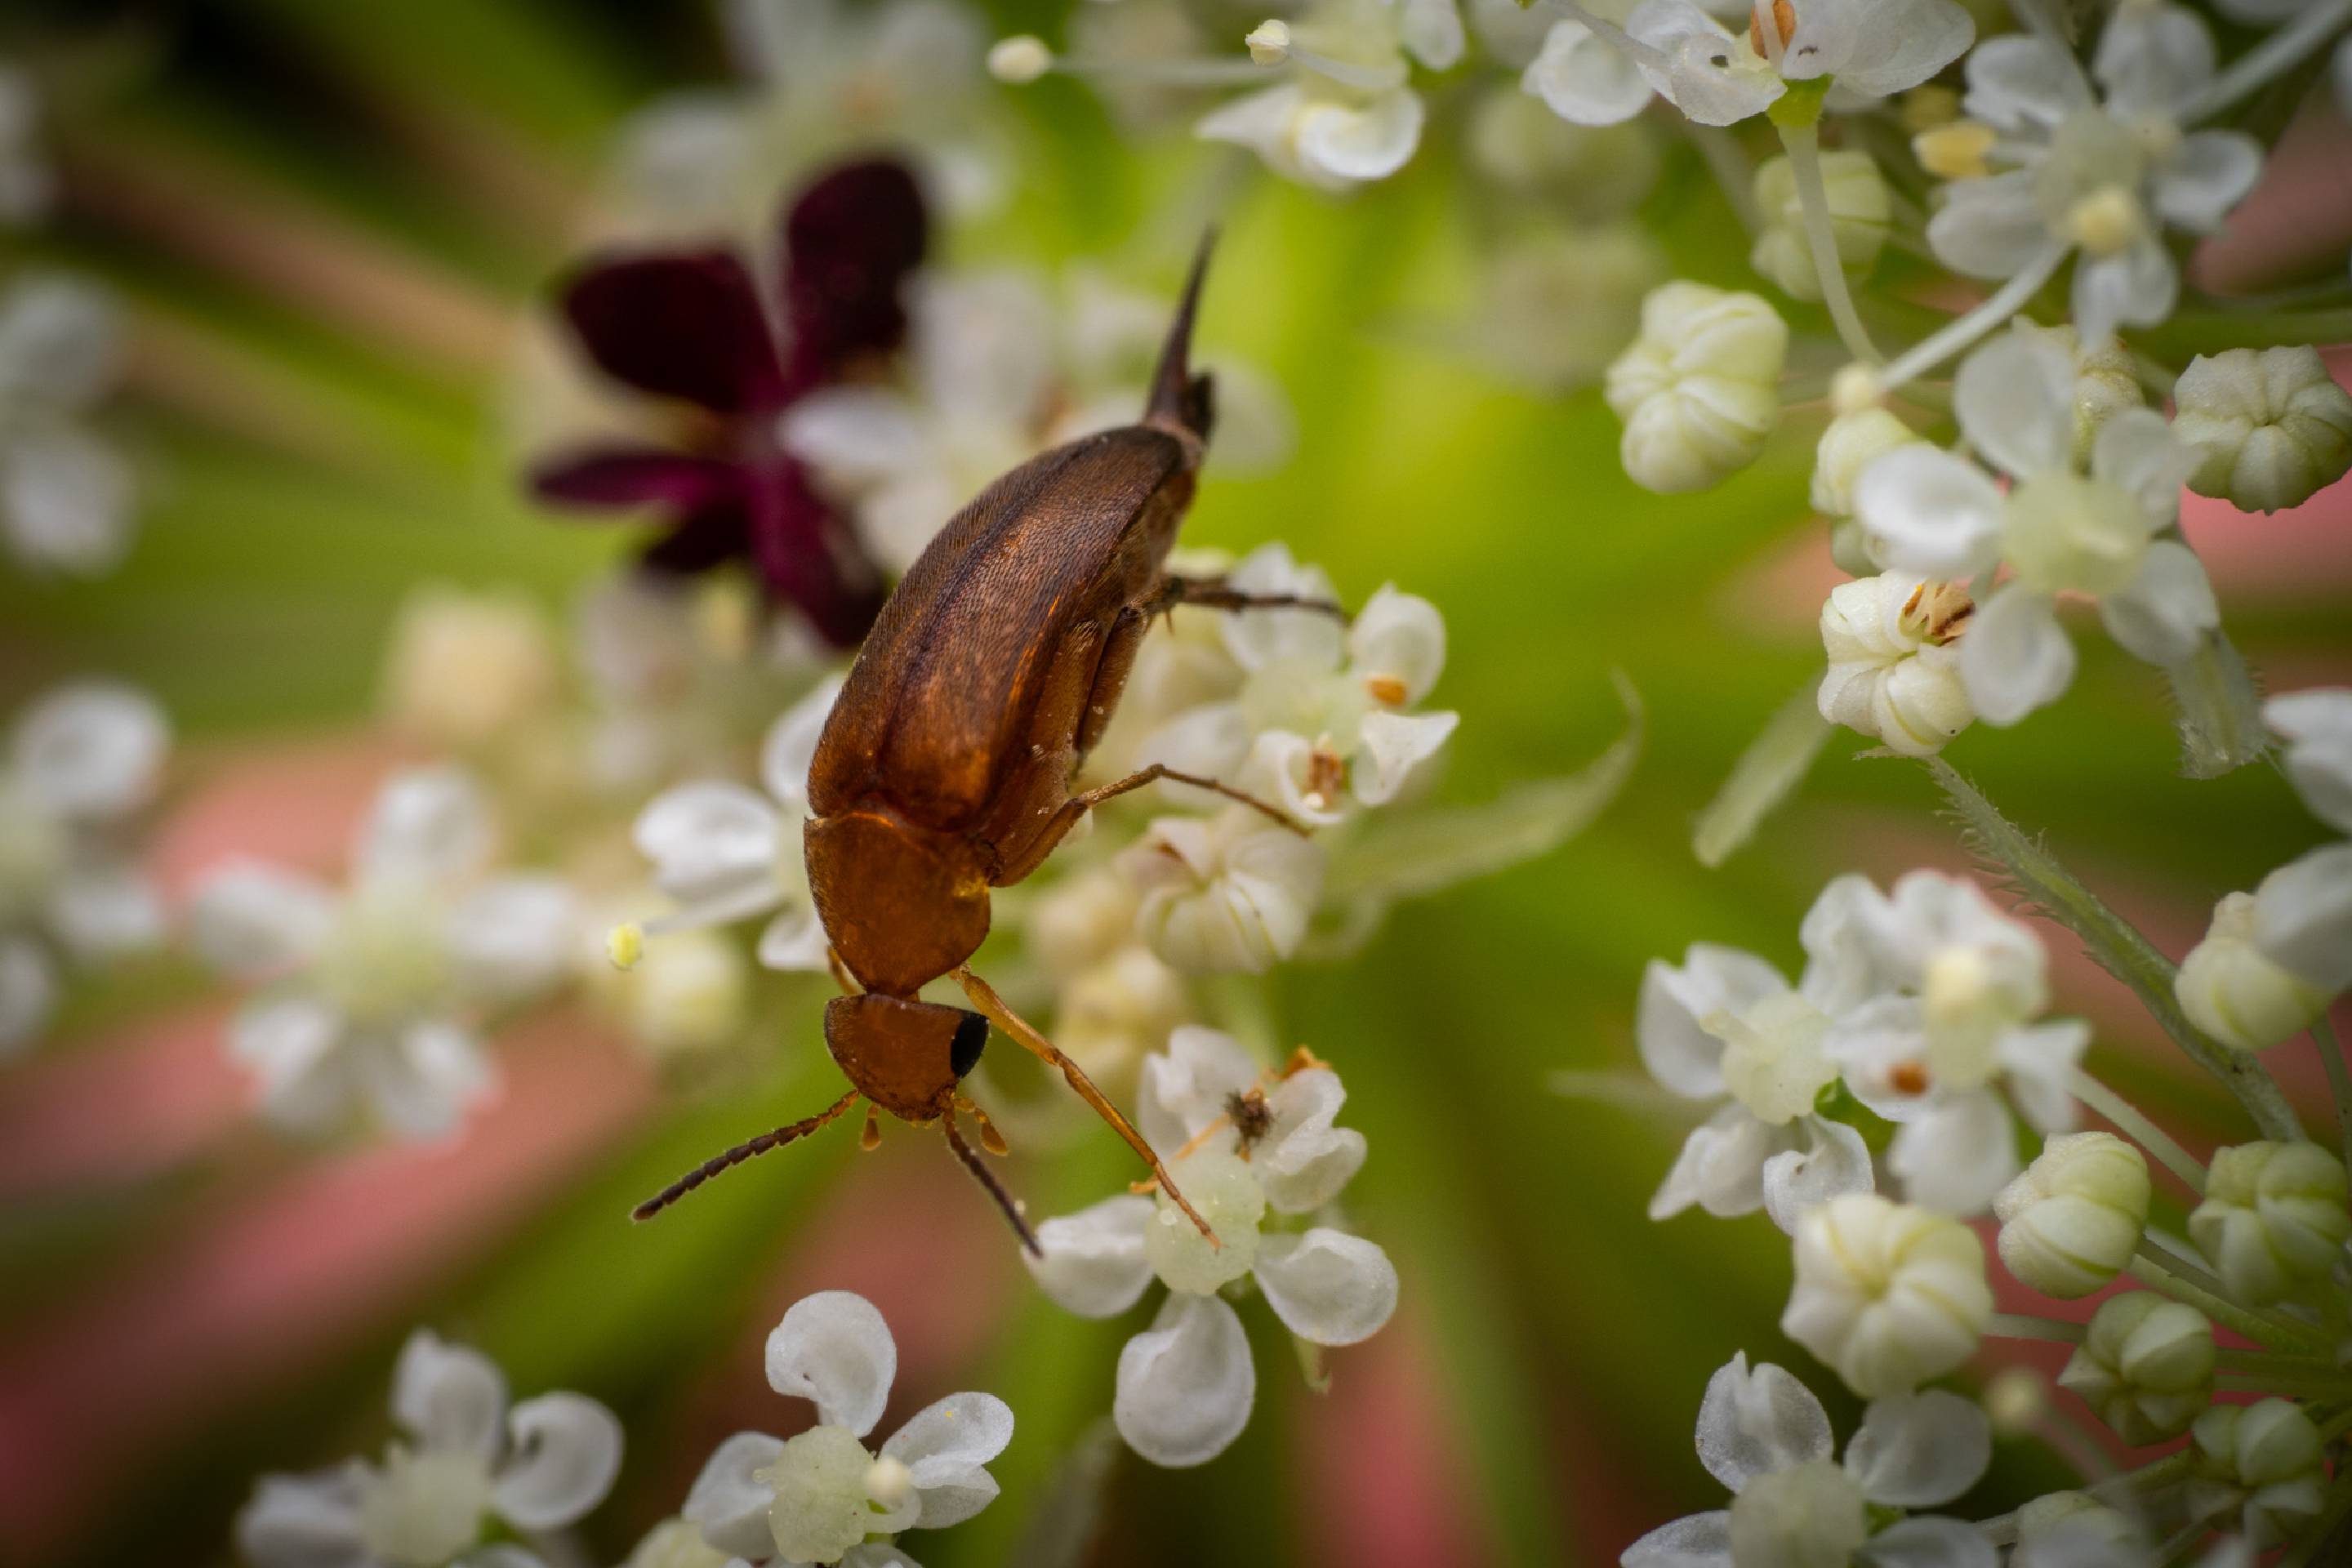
[[1020, 59], [2260, 1466], [1889, 1294], [2230, 989], [2062, 1519], [2274, 1218], [2015, 1400], [1860, 216], [1956, 151], [1848, 446], [2145, 1366], [1269, 42], [1699, 389], [2073, 1219], [2270, 426], [1894, 666]]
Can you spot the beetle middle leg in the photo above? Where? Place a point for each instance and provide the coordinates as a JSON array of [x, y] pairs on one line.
[[985, 997], [1215, 594]]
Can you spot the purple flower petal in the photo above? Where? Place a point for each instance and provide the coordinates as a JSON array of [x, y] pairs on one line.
[[685, 326], [628, 476], [808, 556], [850, 240], [702, 542]]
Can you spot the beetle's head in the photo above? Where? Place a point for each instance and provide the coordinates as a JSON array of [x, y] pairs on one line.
[[902, 905], [905, 1056]]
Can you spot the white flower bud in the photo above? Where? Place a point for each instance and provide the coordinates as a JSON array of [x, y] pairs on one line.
[[1860, 215], [2259, 1463], [2231, 988], [1232, 892], [2073, 1219], [2145, 1367], [1846, 447], [2270, 426], [2056, 1522], [463, 668], [1269, 42], [2273, 1218], [1895, 667], [1699, 389], [1020, 59], [2015, 1400], [1809, 1515], [1888, 1294]]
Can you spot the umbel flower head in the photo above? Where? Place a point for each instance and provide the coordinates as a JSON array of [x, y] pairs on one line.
[[1764, 1436], [81, 763], [373, 991], [695, 328], [1258, 1151], [823, 1496], [538, 1466]]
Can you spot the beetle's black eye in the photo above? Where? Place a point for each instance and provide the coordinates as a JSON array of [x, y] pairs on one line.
[[963, 1051]]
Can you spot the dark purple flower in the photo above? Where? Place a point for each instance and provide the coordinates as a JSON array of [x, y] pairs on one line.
[[691, 327]]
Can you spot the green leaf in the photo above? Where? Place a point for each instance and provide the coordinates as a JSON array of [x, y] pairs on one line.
[[1767, 772]]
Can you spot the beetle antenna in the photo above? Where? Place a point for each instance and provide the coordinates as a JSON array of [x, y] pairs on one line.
[[987, 1178], [737, 1154], [1179, 401]]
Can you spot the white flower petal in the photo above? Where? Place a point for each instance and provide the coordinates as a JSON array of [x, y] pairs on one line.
[[2168, 609], [1695, 1540], [1957, 1155], [2152, 59], [453, 1398], [2021, 81], [2135, 448], [791, 745], [1371, 142], [1927, 511], [92, 750], [1185, 1385], [1400, 637], [1755, 1422], [289, 1045], [714, 849], [729, 1503], [1305, 1160], [2303, 917], [1431, 32], [1094, 1263], [1259, 639], [945, 1445], [2016, 657], [100, 911], [2015, 399], [795, 941], [1919, 1451], [1721, 1166], [1328, 1287], [854, 437], [1990, 227], [834, 1348], [2040, 1061], [514, 937], [66, 498], [2318, 761], [1869, 1041], [60, 335], [1209, 740], [1584, 79], [1675, 1046], [1834, 1161], [2136, 287], [252, 921], [306, 1522], [1895, 45], [1698, 66], [423, 1084], [1185, 1088], [566, 1453], [1394, 745], [429, 824], [1935, 1543], [2205, 180]]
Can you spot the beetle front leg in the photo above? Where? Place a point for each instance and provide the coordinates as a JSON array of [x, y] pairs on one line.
[[1215, 594]]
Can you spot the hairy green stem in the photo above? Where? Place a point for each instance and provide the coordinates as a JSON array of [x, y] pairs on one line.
[[2116, 945]]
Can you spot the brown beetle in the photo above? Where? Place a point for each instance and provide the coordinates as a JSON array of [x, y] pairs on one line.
[[945, 767]]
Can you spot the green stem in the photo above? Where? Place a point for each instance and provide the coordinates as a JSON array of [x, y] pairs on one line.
[[2116, 945], [2339, 1081], [2021, 1326], [2268, 60], [2289, 1386], [2137, 1127], [2255, 1326], [1961, 334], [1803, 143], [2331, 1517]]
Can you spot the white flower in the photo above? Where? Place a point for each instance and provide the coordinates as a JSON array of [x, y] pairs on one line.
[[675, 1543], [2261, 1465], [1944, 1041], [1727, 1030], [1231, 892], [1848, 445], [2074, 1218], [1929, 512], [1869, 49], [2234, 992], [2271, 428], [1860, 216], [27, 184], [1345, 115], [1262, 1147], [725, 852], [1764, 1436], [1888, 1294], [539, 1465], [81, 763], [463, 669], [1893, 663], [373, 991], [2317, 725], [1699, 390], [2274, 1218], [66, 495], [823, 1496], [2145, 1366], [2106, 176]]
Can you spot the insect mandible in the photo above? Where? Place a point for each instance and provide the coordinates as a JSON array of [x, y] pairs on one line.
[[946, 767]]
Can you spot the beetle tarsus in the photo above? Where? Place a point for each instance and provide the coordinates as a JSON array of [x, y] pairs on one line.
[[744, 1151], [987, 1179]]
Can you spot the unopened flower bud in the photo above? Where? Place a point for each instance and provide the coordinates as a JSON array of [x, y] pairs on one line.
[[1269, 42], [2145, 1366], [2055, 1530], [2269, 425], [1232, 892], [1020, 59], [2074, 1218], [1956, 151], [2015, 1400], [2273, 1219], [1699, 389], [1860, 215], [1894, 666], [1846, 447], [2233, 991], [1888, 1294], [2260, 1466]]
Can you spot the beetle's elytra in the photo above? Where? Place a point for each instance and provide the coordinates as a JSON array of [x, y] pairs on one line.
[[945, 768]]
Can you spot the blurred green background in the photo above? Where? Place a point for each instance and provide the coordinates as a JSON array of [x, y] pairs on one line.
[[325, 217]]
